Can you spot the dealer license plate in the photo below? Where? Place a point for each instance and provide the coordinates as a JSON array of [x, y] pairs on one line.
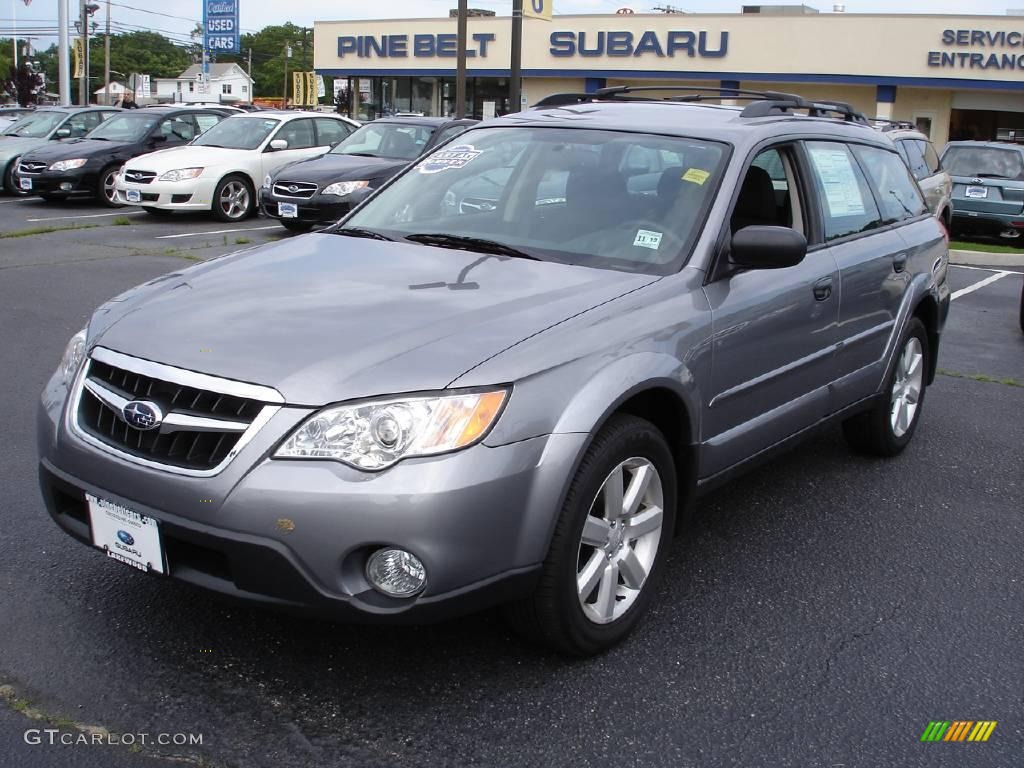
[[125, 535], [978, 192], [288, 210], [24, 183], [133, 195]]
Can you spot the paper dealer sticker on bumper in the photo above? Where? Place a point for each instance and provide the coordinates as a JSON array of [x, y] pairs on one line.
[[451, 157]]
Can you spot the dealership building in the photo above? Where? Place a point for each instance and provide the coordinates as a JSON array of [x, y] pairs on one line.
[[957, 77]]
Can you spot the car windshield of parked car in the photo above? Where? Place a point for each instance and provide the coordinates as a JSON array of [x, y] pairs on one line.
[[238, 133], [983, 162], [36, 126], [128, 128], [608, 199], [393, 140]]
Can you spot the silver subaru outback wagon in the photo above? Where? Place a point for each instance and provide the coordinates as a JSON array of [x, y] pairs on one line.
[[504, 376]]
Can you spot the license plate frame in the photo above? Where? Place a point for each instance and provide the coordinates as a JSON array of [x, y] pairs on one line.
[[126, 535], [24, 184], [976, 193], [288, 210], [133, 196]]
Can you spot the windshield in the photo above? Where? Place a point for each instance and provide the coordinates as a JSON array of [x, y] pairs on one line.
[[124, 127], [37, 125], [627, 201], [238, 133], [397, 140], [983, 162]]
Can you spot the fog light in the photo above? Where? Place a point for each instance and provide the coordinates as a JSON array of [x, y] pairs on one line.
[[65, 186], [396, 573]]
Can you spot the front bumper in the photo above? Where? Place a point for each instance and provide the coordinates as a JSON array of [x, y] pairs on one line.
[[319, 209], [190, 195], [78, 181], [480, 519]]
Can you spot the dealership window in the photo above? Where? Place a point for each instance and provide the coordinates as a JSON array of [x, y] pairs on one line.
[[848, 206], [899, 196], [368, 98]]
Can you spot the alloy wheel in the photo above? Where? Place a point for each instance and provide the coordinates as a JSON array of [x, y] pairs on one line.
[[906, 387], [234, 200], [109, 190], [620, 540]]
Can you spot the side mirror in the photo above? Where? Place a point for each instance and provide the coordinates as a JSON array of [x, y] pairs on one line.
[[62, 133], [278, 144], [767, 248]]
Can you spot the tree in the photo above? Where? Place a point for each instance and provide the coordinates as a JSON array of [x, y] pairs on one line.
[[22, 84]]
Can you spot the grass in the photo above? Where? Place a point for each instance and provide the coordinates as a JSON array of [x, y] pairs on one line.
[[1006, 382], [44, 230], [242, 240], [960, 245], [122, 221]]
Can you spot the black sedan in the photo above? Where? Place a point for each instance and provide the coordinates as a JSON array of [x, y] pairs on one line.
[[87, 166], [322, 190]]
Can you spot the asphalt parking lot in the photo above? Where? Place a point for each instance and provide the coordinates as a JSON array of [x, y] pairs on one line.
[[819, 612]]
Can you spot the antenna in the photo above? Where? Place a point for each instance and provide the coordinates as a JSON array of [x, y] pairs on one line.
[[668, 9]]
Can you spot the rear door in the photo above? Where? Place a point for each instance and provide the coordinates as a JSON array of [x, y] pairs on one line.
[[330, 132], [775, 330], [302, 144]]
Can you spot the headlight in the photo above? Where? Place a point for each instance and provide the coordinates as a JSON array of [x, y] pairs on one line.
[[74, 354], [68, 165], [181, 174], [343, 188], [267, 181], [375, 435]]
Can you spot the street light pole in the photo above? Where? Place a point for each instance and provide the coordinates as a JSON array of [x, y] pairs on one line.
[[14, 20], [460, 73], [106, 59], [515, 82], [63, 53], [83, 82]]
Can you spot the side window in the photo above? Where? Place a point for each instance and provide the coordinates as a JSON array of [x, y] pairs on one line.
[[931, 157], [914, 154], [84, 122], [206, 120], [298, 134], [847, 204], [178, 129], [330, 132], [450, 132], [898, 194], [768, 196]]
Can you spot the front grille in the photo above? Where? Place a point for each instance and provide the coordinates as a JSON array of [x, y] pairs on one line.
[[301, 190], [31, 166], [139, 177], [173, 444]]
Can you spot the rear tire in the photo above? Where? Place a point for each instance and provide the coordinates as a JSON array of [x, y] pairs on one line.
[[605, 561], [887, 428], [234, 199]]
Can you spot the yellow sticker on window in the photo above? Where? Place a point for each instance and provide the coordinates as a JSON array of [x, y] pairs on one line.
[[696, 175]]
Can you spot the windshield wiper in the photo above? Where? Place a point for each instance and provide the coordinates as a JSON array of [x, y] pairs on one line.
[[466, 243], [371, 234]]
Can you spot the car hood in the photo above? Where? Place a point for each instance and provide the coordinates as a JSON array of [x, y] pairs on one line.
[[164, 160], [324, 318], [13, 146], [76, 148], [330, 168]]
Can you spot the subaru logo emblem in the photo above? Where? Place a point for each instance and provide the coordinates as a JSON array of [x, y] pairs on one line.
[[126, 538], [143, 415], [293, 189]]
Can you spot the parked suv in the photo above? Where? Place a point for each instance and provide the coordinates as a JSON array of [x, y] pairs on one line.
[[924, 163], [988, 187], [432, 408]]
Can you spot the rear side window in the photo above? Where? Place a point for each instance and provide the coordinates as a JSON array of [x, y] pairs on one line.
[[206, 120], [914, 153], [898, 195], [931, 157], [330, 131], [847, 204]]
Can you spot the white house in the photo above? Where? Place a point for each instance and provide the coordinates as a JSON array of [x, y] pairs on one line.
[[112, 94], [228, 84]]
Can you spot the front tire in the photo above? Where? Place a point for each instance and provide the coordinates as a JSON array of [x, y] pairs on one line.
[[887, 428], [234, 199], [609, 544], [10, 185], [105, 191]]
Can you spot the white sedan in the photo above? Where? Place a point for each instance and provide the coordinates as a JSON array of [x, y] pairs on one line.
[[221, 169]]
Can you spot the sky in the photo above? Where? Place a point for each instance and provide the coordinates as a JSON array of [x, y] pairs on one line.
[[177, 17]]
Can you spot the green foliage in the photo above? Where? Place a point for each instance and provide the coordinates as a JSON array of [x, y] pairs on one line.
[[268, 56]]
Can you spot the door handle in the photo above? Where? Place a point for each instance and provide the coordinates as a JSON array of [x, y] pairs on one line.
[[899, 262], [823, 289]]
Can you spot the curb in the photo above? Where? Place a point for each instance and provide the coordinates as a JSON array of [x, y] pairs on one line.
[[986, 259]]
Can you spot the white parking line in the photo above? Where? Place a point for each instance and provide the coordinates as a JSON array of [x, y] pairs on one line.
[[980, 284], [89, 216], [987, 269], [215, 232]]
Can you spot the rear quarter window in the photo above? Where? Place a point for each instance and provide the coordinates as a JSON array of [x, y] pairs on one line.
[[899, 197]]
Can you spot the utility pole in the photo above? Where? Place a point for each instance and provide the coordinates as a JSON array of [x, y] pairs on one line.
[[460, 73], [106, 59], [287, 55], [63, 53], [83, 82], [14, 20], [515, 82], [250, 58]]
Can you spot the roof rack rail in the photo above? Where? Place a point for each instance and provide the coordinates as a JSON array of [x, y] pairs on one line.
[[885, 124], [763, 103]]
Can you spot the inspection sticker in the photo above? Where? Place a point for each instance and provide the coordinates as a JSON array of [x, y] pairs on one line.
[[647, 239], [696, 175], [450, 157]]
